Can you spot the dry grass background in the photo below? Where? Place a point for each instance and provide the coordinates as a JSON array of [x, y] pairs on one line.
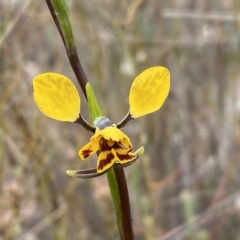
[[186, 186]]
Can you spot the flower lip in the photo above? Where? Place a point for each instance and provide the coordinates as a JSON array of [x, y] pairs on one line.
[[112, 146], [92, 172]]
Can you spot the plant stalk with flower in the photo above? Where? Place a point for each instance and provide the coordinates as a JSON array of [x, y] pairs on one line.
[[57, 97]]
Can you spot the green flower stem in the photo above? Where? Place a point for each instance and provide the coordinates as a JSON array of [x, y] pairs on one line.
[[93, 106], [116, 177], [116, 180], [113, 186], [60, 13]]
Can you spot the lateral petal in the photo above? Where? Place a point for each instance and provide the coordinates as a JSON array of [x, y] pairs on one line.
[[89, 149], [149, 90], [56, 97]]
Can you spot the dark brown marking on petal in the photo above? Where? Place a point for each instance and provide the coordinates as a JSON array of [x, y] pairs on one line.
[[130, 149], [104, 145], [106, 161], [118, 145], [129, 145], [123, 165], [125, 156], [86, 153]]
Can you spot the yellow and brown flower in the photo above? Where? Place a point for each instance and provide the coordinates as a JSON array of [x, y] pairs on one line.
[[57, 97], [112, 146]]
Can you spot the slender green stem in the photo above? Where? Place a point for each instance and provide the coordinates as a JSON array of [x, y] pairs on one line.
[[60, 14], [116, 177], [118, 187], [116, 180], [113, 185]]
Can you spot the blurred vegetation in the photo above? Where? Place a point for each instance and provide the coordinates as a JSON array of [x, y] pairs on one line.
[[186, 186]]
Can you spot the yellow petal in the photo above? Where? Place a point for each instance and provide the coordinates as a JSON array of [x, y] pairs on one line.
[[56, 96], [111, 133], [126, 144], [149, 91], [124, 156], [89, 149], [105, 160]]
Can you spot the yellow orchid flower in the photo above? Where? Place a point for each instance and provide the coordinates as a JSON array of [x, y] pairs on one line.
[[114, 146], [57, 97]]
